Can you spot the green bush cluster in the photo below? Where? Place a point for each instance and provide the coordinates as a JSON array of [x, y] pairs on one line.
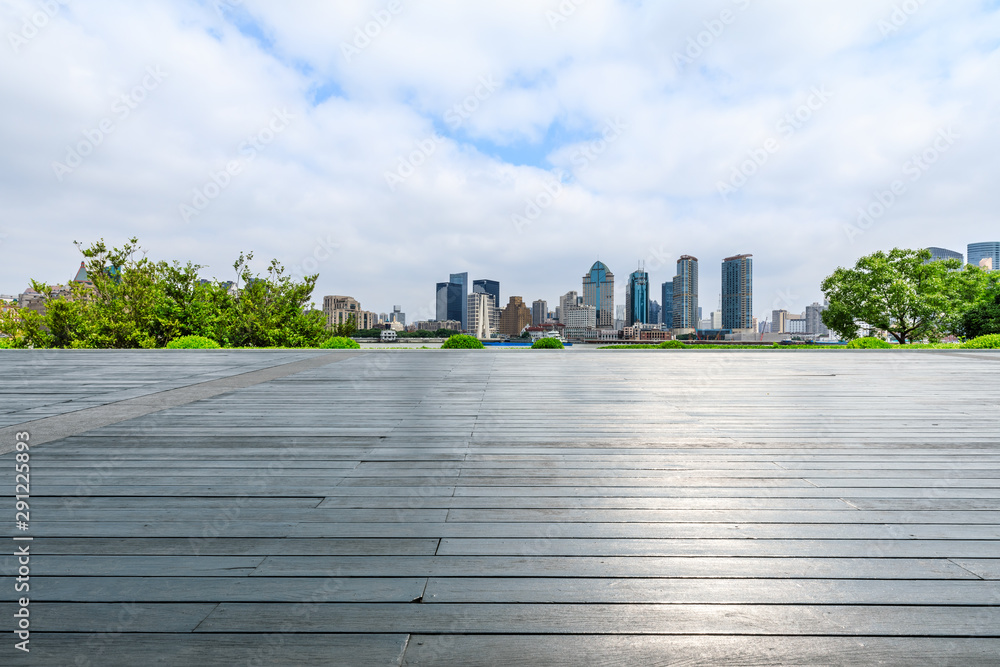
[[462, 342], [193, 343], [868, 343], [138, 303], [547, 344], [339, 343], [673, 345], [987, 342]]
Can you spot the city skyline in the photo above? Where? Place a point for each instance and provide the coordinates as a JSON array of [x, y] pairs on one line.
[[350, 141]]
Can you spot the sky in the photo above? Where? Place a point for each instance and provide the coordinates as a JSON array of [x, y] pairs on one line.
[[388, 144]]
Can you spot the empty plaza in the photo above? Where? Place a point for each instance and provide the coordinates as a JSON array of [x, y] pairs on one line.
[[505, 507]]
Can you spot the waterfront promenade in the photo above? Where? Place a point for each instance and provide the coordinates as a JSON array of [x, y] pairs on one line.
[[505, 507]]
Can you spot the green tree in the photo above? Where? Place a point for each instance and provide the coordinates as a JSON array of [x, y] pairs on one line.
[[138, 303], [900, 292], [346, 329], [271, 310], [983, 317]]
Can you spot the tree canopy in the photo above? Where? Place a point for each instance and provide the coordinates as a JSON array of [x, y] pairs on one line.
[[903, 293], [138, 303]]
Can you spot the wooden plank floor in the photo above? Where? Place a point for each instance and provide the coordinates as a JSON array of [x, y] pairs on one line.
[[514, 508]]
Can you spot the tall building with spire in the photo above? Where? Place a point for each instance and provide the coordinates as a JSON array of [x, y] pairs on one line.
[[599, 292], [637, 298]]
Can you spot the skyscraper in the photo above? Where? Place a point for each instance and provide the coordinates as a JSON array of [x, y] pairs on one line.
[[944, 253], [514, 317], [637, 298], [489, 287], [814, 319], [566, 301], [539, 312], [449, 301], [987, 250], [599, 291], [483, 315], [685, 286], [737, 292], [667, 305], [463, 280]]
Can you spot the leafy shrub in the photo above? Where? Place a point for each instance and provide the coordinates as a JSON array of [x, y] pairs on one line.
[[987, 342], [462, 342], [868, 343], [672, 345], [339, 343], [7, 344], [192, 343], [547, 344]]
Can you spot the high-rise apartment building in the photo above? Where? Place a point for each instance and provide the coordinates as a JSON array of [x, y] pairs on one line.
[[667, 305], [737, 292], [463, 280], [599, 291], [539, 312], [449, 301], [987, 250], [637, 298], [565, 301], [515, 317], [685, 285], [814, 319]]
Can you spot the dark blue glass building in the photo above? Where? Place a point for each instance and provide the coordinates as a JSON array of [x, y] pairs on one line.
[[637, 298]]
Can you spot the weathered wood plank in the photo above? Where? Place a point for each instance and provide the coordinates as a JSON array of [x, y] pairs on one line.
[[610, 566], [709, 591], [119, 588], [831, 620], [456, 650], [130, 649]]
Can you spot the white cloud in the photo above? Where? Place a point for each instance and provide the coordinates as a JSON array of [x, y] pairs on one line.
[[316, 193]]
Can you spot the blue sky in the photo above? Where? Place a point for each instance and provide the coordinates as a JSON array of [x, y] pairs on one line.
[[386, 145]]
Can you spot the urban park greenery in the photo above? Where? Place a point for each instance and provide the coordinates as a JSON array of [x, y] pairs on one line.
[[340, 343], [138, 303], [904, 294], [868, 343], [462, 342], [193, 343], [547, 344]]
